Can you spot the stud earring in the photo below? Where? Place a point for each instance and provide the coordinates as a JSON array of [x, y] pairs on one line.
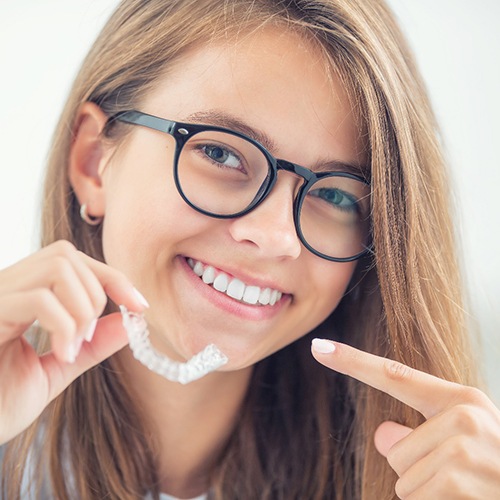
[[89, 219]]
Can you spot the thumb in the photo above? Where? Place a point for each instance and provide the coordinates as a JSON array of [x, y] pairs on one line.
[[388, 434], [109, 337]]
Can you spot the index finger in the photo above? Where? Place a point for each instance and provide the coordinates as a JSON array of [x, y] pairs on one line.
[[424, 392], [116, 285]]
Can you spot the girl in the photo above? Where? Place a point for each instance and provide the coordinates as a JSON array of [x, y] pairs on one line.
[[266, 174]]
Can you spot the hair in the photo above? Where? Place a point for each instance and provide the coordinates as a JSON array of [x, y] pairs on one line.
[[304, 431]]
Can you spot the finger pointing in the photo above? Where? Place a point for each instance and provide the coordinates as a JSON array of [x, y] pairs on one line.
[[425, 393]]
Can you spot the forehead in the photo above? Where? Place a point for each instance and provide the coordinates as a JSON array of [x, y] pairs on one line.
[[275, 81]]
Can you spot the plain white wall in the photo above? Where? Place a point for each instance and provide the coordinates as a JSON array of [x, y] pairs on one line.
[[42, 43]]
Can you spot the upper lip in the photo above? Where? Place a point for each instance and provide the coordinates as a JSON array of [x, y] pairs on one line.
[[248, 279]]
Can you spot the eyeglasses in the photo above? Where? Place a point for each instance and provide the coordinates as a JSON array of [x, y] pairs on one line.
[[225, 174]]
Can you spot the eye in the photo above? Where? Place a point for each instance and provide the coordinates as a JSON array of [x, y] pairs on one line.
[[337, 198], [222, 155]]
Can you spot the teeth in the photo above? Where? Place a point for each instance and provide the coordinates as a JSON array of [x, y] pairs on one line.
[[221, 282], [234, 287], [265, 296], [198, 268], [251, 295], [208, 275], [274, 297]]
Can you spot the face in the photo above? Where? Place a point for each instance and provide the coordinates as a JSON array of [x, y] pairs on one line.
[[276, 84]]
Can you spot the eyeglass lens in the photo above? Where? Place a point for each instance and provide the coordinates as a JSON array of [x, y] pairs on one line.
[[222, 174]]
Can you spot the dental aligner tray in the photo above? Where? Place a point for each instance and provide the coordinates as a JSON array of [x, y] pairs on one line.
[[206, 361]]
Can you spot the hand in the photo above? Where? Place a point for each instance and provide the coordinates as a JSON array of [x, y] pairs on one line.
[[454, 454], [65, 291]]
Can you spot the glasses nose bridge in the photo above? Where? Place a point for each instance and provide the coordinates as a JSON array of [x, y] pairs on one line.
[[295, 169], [286, 166], [303, 173]]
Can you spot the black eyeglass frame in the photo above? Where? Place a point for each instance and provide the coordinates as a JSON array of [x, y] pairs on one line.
[[182, 132]]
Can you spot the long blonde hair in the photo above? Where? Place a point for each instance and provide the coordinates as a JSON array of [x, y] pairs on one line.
[[304, 432]]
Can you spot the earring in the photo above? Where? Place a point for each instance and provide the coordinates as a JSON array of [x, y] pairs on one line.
[[89, 219]]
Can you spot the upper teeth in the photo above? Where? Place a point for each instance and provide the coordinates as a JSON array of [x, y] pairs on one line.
[[233, 287]]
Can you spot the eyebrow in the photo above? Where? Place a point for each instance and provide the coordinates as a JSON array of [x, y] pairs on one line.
[[223, 119], [340, 166], [226, 120]]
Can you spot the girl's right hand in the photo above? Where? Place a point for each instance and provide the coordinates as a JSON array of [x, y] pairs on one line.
[[65, 291]]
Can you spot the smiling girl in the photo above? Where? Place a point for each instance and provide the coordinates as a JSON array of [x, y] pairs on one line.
[[266, 174]]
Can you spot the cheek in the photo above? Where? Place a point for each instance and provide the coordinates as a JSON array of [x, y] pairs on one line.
[[147, 224], [330, 282], [142, 207], [326, 285]]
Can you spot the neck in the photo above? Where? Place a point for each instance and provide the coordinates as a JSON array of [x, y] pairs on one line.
[[191, 423]]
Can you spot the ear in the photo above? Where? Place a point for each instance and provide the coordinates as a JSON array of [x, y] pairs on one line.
[[88, 157]]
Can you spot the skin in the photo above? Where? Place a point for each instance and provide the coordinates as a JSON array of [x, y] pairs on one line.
[[148, 230], [260, 247], [130, 185], [454, 454], [63, 290]]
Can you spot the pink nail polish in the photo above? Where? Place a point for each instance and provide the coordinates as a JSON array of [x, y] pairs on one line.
[[89, 334], [323, 346], [78, 345], [70, 353], [141, 298]]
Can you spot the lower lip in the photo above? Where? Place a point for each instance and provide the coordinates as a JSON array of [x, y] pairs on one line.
[[227, 304]]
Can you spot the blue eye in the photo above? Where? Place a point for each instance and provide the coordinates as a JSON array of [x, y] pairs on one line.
[[221, 155], [336, 197]]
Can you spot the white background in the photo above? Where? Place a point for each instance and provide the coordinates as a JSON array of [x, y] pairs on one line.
[[457, 43]]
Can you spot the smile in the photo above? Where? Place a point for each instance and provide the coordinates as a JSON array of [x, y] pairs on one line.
[[233, 287]]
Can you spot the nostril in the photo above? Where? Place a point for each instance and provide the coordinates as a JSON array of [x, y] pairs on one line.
[[272, 236], [286, 238]]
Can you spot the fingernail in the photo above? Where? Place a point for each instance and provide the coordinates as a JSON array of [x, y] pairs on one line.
[[70, 353], [141, 298], [323, 346], [78, 344], [89, 334]]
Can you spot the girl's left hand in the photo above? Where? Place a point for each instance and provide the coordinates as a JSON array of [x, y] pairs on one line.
[[454, 454]]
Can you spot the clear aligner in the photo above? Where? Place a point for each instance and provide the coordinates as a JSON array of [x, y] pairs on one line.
[[206, 361]]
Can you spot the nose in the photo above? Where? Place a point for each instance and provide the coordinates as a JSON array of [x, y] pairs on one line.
[[269, 229]]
